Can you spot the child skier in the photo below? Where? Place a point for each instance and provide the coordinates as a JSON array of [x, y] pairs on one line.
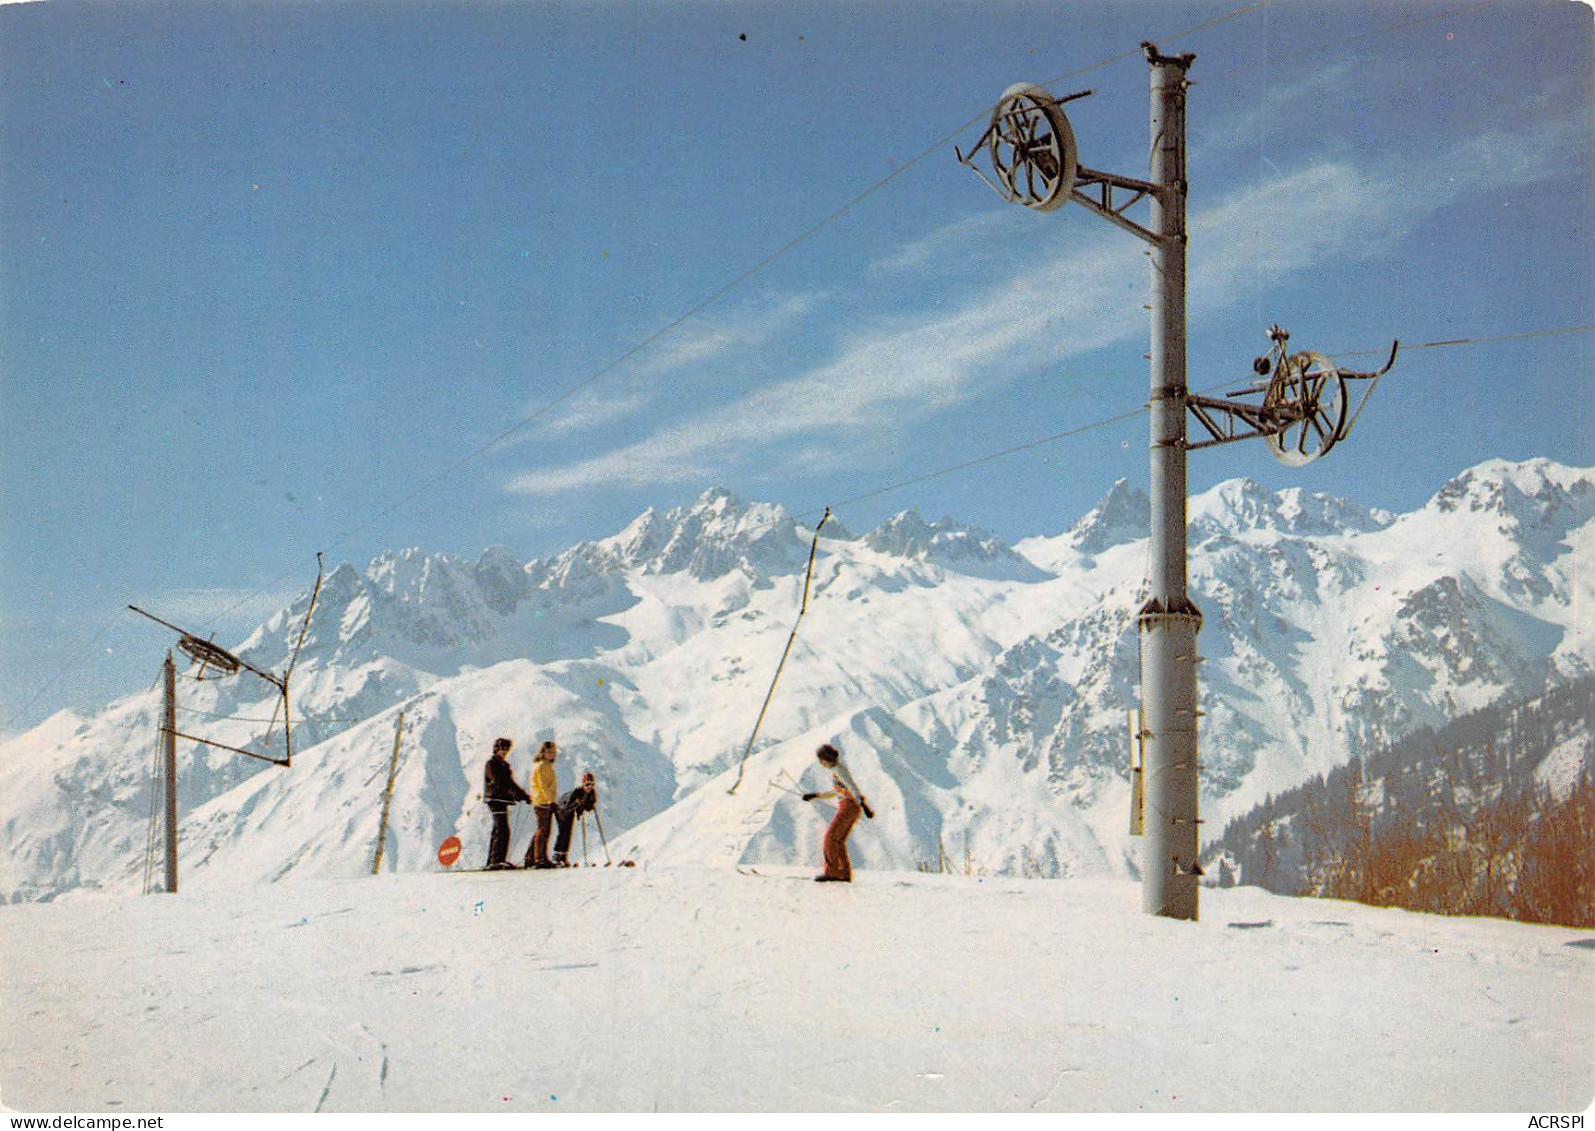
[[849, 802], [582, 799]]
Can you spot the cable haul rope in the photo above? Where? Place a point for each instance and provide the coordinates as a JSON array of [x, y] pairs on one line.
[[808, 577]]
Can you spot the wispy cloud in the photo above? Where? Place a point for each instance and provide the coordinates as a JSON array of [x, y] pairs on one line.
[[1336, 210], [686, 348], [750, 327], [1263, 115], [916, 366], [961, 239], [1285, 224], [889, 374], [1504, 159], [595, 408]]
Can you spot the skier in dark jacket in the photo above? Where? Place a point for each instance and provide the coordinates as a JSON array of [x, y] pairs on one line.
[[582, 799], [500, 790]]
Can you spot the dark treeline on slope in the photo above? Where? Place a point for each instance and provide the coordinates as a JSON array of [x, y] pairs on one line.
[[1455, 822]]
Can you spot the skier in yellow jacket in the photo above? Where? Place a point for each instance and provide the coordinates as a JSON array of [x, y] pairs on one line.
[[545, 795]]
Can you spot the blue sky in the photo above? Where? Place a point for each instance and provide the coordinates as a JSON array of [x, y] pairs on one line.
[[267, 268]]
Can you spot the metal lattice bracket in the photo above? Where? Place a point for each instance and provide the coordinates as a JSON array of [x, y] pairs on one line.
[[1305, 409]]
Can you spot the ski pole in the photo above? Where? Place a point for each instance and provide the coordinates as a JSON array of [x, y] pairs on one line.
[[583, 819], [600, 823], [830, 811]]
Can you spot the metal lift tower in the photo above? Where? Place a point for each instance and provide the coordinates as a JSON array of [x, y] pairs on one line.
[[1031, 149]]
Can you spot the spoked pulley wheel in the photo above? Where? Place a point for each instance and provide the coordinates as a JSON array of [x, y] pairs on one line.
[[1309, 393], [1032, 148]]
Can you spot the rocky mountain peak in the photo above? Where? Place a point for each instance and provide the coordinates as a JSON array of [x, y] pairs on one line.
[[1243, 505], [1122, 516], [954, 545], [1533, 493]]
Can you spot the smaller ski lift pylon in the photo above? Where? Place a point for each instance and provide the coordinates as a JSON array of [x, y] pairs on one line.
[[1306, 403], [210, 655]]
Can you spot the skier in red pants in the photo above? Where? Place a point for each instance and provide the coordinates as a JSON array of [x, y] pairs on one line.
[[849, 802]]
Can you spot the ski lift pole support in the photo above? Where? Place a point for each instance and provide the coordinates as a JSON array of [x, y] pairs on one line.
[[387, 798], [169, 769], [1032, 152], [808, 578], [287, 713], [1302, 414], [1169, 621]]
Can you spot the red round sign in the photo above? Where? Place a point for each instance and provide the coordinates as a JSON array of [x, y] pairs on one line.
[[449, 851]]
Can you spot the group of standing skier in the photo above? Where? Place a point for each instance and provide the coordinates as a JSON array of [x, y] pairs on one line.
[[500, 790]]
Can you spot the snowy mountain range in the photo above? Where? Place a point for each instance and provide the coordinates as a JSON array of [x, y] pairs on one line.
[[978, 690]]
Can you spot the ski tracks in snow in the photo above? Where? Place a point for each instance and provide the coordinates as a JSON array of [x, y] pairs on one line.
[[366, 1048], [939, 992]]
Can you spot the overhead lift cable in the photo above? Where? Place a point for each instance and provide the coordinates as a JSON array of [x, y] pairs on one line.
[[1117, 418], [1445, 343], [1028, 445]]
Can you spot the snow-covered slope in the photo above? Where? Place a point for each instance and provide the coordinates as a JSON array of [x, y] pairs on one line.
[[979, 691], [704, 990]]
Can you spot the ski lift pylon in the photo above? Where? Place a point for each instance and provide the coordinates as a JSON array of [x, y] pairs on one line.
[[208, 654]]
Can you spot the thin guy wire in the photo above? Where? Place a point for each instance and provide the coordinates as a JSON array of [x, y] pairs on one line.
[[1447, 342], [257, 719], [769, 259], [1210, 76], [748, 274]]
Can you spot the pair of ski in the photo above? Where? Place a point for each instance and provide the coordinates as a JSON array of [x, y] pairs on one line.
[[524, 868], [741, 871]]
